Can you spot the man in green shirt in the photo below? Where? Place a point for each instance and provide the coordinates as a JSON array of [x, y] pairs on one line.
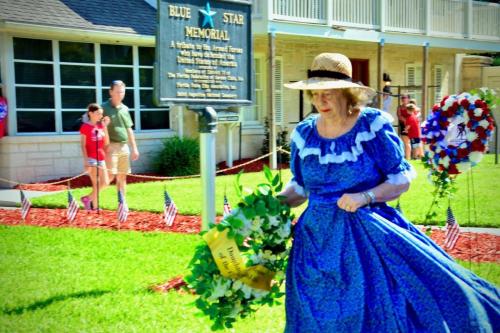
[[122, 144]]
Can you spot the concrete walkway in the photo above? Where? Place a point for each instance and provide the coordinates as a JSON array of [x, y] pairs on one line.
[[493, 231], [12, 198]]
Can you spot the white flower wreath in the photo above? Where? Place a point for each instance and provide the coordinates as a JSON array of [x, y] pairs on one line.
[[242, 266]]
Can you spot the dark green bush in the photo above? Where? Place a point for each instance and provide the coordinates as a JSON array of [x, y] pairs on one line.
[[179, 157], [281, 141]]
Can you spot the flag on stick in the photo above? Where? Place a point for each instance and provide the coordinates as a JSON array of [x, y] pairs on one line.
[[122, 208], [169, 209], [398, 207], [227, 207], [25, 206], [452, 231], [72, 210]]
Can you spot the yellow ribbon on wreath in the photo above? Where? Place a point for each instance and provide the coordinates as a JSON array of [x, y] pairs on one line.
[[228, 259]]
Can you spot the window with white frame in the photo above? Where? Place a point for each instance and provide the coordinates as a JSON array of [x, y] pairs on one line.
[[437, 81], [117, 63], [414, 78], [278, 90], [56, 80], [151, 117], [253, 115], [77, 81], [34, 85]]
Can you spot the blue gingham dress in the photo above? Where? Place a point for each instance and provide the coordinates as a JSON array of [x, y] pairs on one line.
[[371, 271]]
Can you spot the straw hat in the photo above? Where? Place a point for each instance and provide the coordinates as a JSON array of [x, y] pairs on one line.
[[328, 71]]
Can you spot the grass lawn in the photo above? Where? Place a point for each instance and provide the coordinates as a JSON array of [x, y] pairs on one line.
[[187, 195], [74, 280]]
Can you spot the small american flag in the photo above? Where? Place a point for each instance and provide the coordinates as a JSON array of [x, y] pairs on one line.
[[72, 207], [227, 207], [25, 206], [122, 208], [452, 231], [169, 210], [398, 208]]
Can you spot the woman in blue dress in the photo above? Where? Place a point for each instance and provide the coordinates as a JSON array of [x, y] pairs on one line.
[[357, 265]]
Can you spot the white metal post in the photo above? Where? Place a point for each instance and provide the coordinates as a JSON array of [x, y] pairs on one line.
[[329, 13], [469, 17], [382, 15], [272, 108], [229, 144], [207, 168], [425, 79], [180, 119], [380, 70], [207, 121], [428, 17]]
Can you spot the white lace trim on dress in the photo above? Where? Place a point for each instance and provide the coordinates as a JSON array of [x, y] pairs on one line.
[[297, 188], [403, 177], [356, 149]]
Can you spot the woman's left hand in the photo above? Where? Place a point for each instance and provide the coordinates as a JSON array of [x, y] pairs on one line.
[[106, 120], [350, 202]]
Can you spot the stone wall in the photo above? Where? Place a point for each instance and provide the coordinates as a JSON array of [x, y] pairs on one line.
[[39, 158], [472, 71]]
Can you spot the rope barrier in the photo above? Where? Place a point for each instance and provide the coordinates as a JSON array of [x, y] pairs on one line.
[[145, 176], [52, 183]]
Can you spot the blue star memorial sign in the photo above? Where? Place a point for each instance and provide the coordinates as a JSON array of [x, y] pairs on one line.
[[207, 19]]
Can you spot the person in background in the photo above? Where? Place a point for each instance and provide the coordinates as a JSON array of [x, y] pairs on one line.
[[122, 146], [402, 115], [93, 138], [413, 130], [417, 112], [386, 99]]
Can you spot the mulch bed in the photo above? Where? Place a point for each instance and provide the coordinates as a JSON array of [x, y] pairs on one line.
[[106, 219], [476, 247]]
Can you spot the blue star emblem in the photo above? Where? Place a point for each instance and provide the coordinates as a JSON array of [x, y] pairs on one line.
[[207, 19]]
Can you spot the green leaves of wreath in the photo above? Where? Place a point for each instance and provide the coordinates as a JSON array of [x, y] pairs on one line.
[[261, 227]]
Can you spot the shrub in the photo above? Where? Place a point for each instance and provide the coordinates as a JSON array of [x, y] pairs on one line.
[[179, 157], [281, 141]]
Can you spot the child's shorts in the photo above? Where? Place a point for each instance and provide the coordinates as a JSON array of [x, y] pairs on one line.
[[415, 143], [93, 162]]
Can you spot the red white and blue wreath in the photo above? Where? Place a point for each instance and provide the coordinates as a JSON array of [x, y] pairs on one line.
[[456, 133]]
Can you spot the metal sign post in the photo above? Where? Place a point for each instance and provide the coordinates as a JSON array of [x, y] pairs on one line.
[[207, 121], [204, 60]]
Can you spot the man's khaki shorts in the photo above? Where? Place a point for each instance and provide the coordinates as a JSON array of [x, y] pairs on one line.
[[118, 158]]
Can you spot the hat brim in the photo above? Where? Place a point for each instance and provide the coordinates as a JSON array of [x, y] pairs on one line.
[[317, 83]]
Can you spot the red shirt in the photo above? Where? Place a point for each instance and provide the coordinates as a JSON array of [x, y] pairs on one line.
[[413, 127], [89, 131], [403, 113]]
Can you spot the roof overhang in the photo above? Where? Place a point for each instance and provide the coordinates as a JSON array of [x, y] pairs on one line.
[[74, 34]]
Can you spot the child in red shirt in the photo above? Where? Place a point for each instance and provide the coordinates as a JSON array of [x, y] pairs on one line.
[[93, 138], [413, 129]]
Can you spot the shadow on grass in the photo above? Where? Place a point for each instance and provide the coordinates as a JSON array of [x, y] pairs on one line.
[[58, 298]]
